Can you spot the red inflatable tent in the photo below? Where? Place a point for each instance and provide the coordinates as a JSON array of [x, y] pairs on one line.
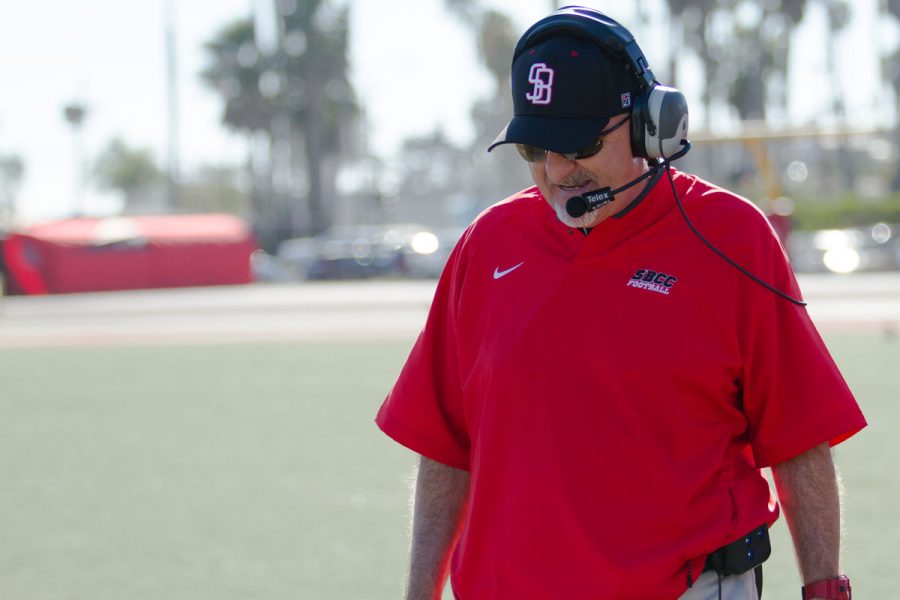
[[120, 253]]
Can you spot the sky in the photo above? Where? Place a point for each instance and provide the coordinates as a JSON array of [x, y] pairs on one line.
[[109, 56]]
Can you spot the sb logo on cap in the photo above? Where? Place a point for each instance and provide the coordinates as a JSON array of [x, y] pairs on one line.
[[541, 77]]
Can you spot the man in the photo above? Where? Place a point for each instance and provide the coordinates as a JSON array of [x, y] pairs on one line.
[[596, 389]]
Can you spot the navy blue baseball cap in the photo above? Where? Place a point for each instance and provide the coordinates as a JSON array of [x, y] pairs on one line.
[[565, 90]]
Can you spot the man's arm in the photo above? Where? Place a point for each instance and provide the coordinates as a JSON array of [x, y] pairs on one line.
[[808, 491], [440, 508]]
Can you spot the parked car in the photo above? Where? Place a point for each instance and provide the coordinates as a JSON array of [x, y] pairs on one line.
[[872, 248], [359, 252]]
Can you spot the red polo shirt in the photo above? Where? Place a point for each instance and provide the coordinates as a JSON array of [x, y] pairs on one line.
[[615, 395]]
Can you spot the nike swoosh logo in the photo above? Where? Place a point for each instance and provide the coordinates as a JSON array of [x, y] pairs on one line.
[[498, 273]]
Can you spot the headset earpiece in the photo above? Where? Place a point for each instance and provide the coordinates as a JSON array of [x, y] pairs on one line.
[[659, 114], [660, 123]]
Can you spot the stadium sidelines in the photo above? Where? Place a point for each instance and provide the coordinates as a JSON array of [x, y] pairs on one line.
[[324, 311]]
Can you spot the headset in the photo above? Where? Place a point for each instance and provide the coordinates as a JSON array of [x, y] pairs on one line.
[[659, 114]]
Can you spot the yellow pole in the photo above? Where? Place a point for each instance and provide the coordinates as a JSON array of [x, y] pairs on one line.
[[760, 154]]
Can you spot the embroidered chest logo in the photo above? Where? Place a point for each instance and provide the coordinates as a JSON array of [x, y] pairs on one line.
[[498, 273], [541, 77], [653, 281]]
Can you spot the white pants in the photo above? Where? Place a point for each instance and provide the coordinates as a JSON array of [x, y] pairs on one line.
[[735, 587]]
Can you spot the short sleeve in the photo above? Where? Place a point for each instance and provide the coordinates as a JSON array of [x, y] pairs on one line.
[[794, 396], [424, 409]]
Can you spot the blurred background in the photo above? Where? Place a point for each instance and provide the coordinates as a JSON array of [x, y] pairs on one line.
[[347, 137], [221, 224]]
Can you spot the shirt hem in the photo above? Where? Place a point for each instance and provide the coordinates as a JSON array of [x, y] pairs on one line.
[[427, 448]]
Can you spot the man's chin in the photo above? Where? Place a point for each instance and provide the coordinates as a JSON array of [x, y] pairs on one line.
[[586, 220]]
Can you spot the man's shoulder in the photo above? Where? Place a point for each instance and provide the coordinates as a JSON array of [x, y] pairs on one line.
[[704, 199], [520, 203], [525, 205], [731, 223]]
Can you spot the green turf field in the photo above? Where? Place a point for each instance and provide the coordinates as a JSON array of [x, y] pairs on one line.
[[255, 471]]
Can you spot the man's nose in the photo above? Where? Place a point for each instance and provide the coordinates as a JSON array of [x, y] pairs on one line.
[[558, 166]]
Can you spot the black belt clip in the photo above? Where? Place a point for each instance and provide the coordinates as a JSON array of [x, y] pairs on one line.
[[741, 555]]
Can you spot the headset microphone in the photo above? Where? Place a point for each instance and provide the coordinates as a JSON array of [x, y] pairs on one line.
[[589, 202], [578, 206]]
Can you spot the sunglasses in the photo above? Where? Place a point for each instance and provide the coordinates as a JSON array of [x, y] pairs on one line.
[[536, 154]]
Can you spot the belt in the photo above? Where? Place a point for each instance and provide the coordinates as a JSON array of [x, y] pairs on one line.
[[741, 555]]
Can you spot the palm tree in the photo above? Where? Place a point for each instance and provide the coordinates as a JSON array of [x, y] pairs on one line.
[[11, 171], [132, 171], [838, 18], [891, 63], [690, 23], [317, 94], [891, 72], [740, 60], [234, 70], [496, 37], [300, 95]]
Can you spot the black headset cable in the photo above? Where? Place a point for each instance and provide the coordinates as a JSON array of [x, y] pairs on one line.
[[667, 165]]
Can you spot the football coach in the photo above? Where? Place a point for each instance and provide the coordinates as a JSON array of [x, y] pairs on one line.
[[611, 358]]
